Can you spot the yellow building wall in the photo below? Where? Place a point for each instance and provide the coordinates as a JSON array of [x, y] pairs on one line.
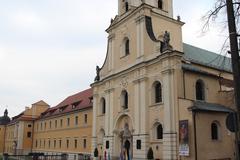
[[2, 135], [43, 133], [10, 139]]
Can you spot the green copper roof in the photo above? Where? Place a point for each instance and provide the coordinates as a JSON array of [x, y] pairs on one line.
[[206, 58]]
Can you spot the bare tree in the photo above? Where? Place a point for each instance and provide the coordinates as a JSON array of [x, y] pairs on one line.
[[218, 15]]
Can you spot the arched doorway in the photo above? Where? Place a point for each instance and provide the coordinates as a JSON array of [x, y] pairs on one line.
[[123, 138]]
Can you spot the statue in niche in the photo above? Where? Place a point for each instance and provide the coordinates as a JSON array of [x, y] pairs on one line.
[[97, 78], [166, 40]]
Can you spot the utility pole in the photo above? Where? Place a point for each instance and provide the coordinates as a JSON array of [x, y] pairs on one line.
[[235, 64]]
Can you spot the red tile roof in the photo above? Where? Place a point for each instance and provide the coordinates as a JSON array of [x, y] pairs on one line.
[[79, 101]]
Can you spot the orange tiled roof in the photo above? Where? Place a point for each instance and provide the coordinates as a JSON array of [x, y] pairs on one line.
[[81, 100]]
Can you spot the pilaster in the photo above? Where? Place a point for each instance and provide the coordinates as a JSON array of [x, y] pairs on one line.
[[169, 135]]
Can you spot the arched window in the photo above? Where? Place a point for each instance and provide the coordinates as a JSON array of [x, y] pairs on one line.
[[159, 131], [160, 4], [200, 90], [124, 99], [157, 92], [126, 6], [215, 131], [103, 106]]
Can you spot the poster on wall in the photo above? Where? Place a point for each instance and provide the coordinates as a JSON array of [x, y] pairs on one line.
[[183, 138]]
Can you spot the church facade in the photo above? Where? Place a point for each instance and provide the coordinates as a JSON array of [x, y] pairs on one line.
[[156, 96]]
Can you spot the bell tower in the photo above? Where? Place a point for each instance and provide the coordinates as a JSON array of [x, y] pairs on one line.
[[125, 6]]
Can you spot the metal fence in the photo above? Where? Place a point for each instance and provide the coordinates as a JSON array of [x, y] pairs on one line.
[[35, 156]]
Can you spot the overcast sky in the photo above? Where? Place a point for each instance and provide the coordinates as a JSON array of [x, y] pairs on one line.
[[49, 48]]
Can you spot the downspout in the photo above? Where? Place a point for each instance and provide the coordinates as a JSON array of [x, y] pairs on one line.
[[184, 85], [195, 134]]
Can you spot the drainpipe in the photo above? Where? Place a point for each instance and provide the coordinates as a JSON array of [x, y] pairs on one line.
[[195, 134]]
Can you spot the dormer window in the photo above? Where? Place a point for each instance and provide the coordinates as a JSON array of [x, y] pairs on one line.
[[160, 4], [74, 105]]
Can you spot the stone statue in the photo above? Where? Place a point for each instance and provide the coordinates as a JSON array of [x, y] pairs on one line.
[[97, 78], [126, 131], [166, 40]]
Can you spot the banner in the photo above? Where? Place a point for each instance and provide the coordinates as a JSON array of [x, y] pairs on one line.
[[183, 138]]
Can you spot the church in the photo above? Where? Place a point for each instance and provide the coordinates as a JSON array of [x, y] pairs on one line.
[[157, 97]]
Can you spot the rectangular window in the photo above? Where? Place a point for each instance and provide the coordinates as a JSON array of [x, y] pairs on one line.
[[41, 126], [55, 142], [68, 121], [85, 119], [107, 144], [49, 143], [45, 125], [55, 123], [29, 126], [36, 144], [67, 143], [50, 124], [76, 120], [139, 144], [60, 143], [84, 143], [61, 122], [29, 134], [75, 143]]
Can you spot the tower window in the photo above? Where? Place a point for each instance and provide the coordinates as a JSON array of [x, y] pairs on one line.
[[158, 92], [126, 6], [127, 51], [215, 131], [200, 95], [124, 99], [159, 131], [103, 105], [160, 4]]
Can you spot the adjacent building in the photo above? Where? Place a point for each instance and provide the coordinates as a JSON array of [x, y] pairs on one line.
[[63, 129], [18, 134], [66, 128], [156, 93]]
